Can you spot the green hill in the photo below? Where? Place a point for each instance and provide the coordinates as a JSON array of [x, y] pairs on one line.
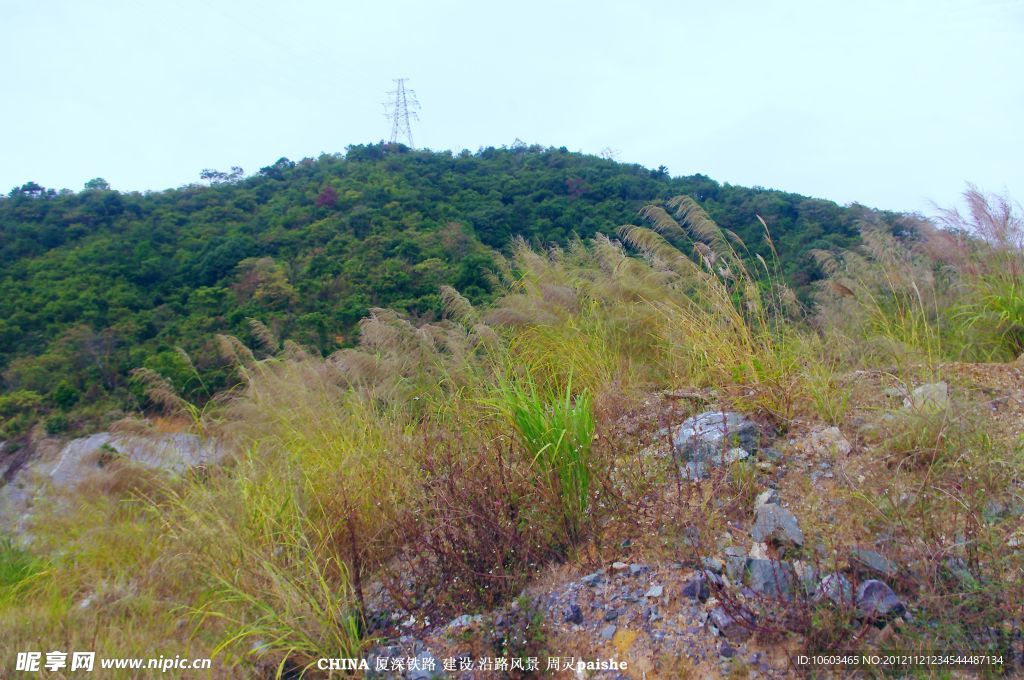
[[98, 282]]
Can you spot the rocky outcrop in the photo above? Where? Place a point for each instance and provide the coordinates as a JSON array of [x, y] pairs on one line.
[[64, 466]]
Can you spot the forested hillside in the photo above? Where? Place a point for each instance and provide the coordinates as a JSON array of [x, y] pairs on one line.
[[96, 283]]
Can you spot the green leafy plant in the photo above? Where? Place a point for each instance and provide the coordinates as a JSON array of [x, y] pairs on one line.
[[557, 430]]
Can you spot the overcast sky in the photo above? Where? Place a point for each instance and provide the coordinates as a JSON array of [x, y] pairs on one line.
[[889, 103]]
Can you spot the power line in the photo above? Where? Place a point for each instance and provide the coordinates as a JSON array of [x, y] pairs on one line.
[[400, 109]]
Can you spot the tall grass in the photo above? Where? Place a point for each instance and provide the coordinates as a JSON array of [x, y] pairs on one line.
[[557, 430], [275, 582]]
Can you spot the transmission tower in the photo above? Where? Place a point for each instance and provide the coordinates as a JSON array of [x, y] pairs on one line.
[[400, 108]]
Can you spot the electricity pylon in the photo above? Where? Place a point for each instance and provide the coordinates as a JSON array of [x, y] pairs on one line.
[[400, 109]]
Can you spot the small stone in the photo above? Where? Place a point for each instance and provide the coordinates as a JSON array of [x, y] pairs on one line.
[[877, 602], [773, 455], [735, 455], [637, 569], [713, 579], [777, 525], [831, 441], [735, 562], [595, 579], [769, 497], [651, 614], [726, 651], [619, 566], [712, 564], [727, 625], [612, 614], [573, 614], [836, 588], [608, 632], [654, 591], [464, 621], [696, 589]]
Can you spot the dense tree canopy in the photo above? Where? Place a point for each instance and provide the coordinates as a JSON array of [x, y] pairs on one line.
[[96, 283]]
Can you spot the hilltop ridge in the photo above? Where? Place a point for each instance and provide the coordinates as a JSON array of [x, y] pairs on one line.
[[99, 282]]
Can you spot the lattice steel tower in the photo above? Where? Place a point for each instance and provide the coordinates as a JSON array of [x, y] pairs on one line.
[[400, 109]]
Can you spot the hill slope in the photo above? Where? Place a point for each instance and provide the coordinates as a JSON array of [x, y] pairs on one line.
[[99, 282]]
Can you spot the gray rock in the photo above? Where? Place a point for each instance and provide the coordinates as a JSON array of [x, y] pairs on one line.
[[696, 589], [777, 525], [174, 453], [834, 587], [573, 614], [877, 602], [608, 632], [694, 471], [728, 626], [928, 398], [875, 562], [808, 576], [770, 578], [726, 651], [772, 455], [637, 569], [735, 562], [830, 440], [619, 566], [593, 580], [712, 578], [759, 551], [654, 591], [735, 455], [612, 614], [768, 497], [712, 564], [708, 436], [464, 621]]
